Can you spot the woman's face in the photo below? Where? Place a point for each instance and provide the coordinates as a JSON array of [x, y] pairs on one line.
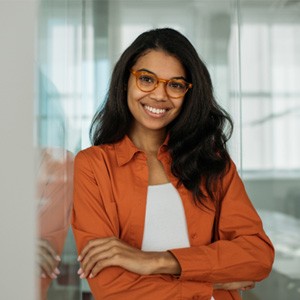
[[154, 110]]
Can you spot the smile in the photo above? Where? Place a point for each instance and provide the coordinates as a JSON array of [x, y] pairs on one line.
[[153, 110]]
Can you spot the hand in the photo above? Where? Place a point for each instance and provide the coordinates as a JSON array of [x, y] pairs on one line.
[[107, 252], [242, 285], [47, 259]]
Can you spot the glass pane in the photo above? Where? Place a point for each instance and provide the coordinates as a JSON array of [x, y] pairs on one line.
[[270, 56], [58, 120], [79, 43], [73, 68]]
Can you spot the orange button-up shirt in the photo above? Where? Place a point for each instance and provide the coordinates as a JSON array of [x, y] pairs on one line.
[[110, 191]]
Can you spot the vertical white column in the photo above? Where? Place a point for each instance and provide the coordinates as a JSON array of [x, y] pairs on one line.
[[17, 205]]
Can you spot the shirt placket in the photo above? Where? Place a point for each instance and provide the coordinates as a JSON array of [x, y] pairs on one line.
[[140, 186]]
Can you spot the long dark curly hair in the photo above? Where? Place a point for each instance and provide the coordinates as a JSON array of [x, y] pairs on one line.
[[197, 137]]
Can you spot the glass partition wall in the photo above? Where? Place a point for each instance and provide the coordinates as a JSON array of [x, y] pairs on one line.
[[252, 52], [270, 113]]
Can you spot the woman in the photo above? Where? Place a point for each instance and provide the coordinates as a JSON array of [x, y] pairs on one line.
[[159, 209]]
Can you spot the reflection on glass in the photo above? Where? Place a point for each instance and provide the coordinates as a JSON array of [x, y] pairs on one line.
[[54, 194]]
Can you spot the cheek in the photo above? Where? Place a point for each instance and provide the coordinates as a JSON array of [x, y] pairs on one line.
[[130, 94], [179, 104], [179, 107], [131, 87], [133, 95], [131, 98], [129, 102]]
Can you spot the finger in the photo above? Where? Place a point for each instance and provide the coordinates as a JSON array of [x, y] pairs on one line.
[[89, 246], [249, 287], [92, 244], [101, 261], [100, 250], [102, 264], [52, 275], [119, 255], [47, 264], [111, 248], [93, 252], [47, 247], [248, 284], [95, 256]]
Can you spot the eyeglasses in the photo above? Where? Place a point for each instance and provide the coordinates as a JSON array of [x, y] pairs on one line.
[[148, 82]]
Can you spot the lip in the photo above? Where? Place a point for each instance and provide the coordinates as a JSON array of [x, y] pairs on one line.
[[155, 112]]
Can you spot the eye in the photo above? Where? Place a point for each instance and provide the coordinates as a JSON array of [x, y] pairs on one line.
[[147, 79], [177, 85]]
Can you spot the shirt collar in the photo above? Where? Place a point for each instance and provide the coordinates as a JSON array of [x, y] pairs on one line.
[[125, 150]]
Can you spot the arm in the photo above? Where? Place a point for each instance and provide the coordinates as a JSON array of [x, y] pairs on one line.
[[243, 252], [95, 217], [106, 252], [95, 224], [92, 217]]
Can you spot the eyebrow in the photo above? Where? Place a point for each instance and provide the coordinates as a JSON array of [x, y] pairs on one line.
[[148, 71]]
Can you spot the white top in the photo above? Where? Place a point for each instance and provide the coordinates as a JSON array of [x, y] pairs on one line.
[[165, 222]]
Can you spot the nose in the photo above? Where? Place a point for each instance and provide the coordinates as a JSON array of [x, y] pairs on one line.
[[159, 93]]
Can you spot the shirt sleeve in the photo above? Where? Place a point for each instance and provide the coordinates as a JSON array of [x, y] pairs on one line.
[[95, 216], [244, 252], [92, 217]]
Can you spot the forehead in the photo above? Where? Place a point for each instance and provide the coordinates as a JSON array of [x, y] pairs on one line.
[[161, 63]]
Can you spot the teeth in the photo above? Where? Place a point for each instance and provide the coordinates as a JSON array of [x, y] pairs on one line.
[[155, 110]]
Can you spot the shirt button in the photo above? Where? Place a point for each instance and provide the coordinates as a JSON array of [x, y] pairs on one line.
[[195, 297]]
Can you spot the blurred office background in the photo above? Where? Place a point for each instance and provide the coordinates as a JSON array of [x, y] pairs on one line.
[[252, 49]]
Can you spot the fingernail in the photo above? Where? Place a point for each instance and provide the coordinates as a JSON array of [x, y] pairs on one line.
[[53, 276], [80, 271], [56, 271], [79, 258], [82, 276], [43, 275], [57, 258], [91, 275]]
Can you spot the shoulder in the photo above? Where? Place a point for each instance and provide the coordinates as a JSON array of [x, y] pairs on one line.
[[108, 155], [230, 170], [95, 155], [95, 151], [232, 181]]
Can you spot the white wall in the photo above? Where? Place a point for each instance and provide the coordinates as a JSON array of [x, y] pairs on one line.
[[17, 217]]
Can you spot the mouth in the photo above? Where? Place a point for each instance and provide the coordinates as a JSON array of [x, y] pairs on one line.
[[155, 111]]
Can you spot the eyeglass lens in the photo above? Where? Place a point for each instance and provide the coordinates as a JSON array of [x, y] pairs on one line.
[[147, 82]]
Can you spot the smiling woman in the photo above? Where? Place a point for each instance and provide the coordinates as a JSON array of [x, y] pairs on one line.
[[153, 108], [159, 208]]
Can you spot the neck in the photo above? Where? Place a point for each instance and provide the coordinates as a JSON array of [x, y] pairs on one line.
[[148, 141]]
